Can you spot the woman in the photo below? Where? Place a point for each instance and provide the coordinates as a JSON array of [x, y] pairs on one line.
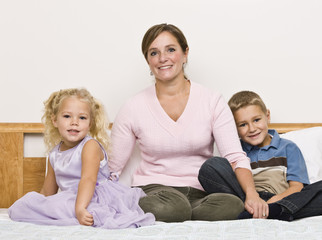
[[176, 122]]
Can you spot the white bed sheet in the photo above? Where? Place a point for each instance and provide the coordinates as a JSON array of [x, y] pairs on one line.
[[308, 228]]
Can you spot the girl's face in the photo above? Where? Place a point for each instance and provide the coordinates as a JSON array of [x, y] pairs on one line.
[[166, 58], [73, 121]]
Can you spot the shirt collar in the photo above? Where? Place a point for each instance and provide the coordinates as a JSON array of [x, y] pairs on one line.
[[274, 143]]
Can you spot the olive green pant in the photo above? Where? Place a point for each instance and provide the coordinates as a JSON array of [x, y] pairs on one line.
[[177, 204]]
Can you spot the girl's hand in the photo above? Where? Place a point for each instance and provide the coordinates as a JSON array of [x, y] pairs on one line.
[[91, 156], [84, 217]]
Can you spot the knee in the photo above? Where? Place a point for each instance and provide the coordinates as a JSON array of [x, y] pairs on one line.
[[218, 206], [167, 206], [212, 166]]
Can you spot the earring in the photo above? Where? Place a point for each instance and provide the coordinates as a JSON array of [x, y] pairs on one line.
[[151, 73], [184, 65]]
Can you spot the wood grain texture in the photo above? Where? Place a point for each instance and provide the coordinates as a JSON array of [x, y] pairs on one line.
[[11, 168], [27, 127], [287, 127], [34, 170], [22, 127]]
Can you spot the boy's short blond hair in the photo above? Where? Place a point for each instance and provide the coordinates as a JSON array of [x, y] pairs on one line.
[[246, 98]]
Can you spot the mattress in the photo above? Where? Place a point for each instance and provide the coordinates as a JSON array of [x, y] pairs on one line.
[[308, 228]]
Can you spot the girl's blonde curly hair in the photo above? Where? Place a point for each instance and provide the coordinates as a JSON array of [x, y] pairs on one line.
[[99, 123]]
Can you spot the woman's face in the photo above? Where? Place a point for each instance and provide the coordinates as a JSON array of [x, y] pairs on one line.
[[166, 58]]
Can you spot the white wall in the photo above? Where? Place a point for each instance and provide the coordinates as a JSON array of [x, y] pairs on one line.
[[272, 47]]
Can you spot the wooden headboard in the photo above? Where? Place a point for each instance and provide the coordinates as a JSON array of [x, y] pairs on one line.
[[287, 127], [20, 174]]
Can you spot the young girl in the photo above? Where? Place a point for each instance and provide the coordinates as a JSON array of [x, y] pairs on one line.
[[75, 124]]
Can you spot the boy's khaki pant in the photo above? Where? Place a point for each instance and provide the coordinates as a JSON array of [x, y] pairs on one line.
[[177, 204]]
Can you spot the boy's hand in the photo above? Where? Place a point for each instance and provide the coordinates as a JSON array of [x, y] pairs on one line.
[[84, 217], [294, 187], [256, 206], [273, 199]]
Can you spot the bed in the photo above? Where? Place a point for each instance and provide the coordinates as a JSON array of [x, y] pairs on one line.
[[20, 174]]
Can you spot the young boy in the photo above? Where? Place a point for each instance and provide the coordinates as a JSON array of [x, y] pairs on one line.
[[278, 167]]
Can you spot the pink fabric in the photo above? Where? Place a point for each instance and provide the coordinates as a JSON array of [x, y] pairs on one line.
[[173, 152]]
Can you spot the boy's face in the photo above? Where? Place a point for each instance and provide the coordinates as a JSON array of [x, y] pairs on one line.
[[252, 125]]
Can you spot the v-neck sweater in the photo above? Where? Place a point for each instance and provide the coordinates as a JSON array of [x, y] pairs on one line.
[[172, 152]]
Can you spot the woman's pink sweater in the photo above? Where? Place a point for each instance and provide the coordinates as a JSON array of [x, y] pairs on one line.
[[172, 152]]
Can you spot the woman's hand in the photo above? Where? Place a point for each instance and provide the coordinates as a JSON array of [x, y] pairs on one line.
[[253, 203], [84, 217], [256, 206]]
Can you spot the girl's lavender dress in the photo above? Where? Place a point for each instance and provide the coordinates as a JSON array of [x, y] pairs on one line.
[[113, 205]]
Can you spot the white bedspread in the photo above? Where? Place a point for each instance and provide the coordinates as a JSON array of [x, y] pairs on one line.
[[309, 228]]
